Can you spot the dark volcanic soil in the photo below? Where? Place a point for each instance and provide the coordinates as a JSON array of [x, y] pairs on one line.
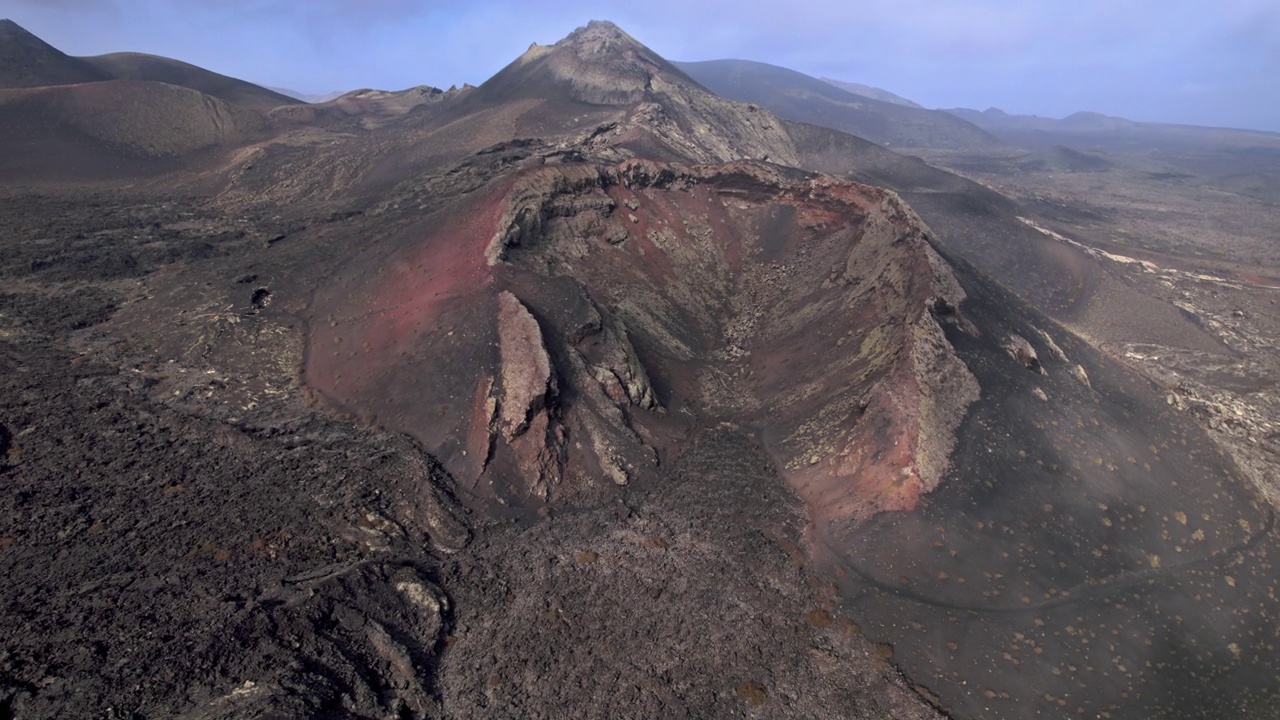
[[297, 570], [585, 393], [1077, 561], [171, 553]]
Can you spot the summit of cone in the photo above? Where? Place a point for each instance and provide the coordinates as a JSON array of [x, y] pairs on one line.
[[28, 61], [600, 76], [598, 64]]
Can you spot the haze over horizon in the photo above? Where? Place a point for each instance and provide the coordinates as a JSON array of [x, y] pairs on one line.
[[1150, 61]]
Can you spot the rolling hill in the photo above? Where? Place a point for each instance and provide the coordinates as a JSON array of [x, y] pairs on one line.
[[796, 96], [139, 66], [874, 93], [28, 61]]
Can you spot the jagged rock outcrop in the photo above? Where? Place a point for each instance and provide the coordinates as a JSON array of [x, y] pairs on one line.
[[528, 387], [803, 305], [526, 403], [611, 359], [659, 111], [1022, 351]]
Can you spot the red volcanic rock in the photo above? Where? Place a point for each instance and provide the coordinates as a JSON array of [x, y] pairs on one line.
[[898, 448], [629, 302], [527, 393], [527, 382]]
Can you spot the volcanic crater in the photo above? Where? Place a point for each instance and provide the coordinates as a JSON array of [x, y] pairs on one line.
[[602, 312], [580, 392]]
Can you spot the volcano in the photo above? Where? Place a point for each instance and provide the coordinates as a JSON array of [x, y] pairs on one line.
[[586, 391]]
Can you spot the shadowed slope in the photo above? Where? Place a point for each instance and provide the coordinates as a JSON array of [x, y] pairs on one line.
[[120, 115], [28, 61], [796, 96], [139, 66], [1090, 552], [874, 93], [95, 129]]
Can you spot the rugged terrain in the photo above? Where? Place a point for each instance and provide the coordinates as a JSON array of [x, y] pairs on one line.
[[1129, 221], [586, 392]]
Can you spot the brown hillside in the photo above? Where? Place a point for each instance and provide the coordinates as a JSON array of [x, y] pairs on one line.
[[139, 66], [28, 61], [50, 131]]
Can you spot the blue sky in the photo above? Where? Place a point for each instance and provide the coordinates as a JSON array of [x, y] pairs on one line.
[[1193, 61]]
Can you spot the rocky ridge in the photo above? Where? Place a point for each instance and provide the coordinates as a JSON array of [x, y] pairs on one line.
[[608, 281]]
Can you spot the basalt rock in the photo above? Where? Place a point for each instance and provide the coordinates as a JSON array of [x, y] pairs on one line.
[[609, 352]]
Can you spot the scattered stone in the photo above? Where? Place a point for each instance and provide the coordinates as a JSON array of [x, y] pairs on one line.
[[752, 693], [1022, 351]]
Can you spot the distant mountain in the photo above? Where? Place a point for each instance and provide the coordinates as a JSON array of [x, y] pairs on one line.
[[874, 93], [364, 108], [1092, 129], [797, 96], [312, 98], [139, 66], [28, 61], [91, 129], [64, 116], [592, 75], [997, 119]]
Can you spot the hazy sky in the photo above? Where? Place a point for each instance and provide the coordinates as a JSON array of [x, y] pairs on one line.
[[1208, 62]]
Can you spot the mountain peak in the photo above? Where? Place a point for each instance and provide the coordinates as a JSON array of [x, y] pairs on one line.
[[599, 37], [606, 65], [601, 70], [598, 64], [28, 61], [10, 31]]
